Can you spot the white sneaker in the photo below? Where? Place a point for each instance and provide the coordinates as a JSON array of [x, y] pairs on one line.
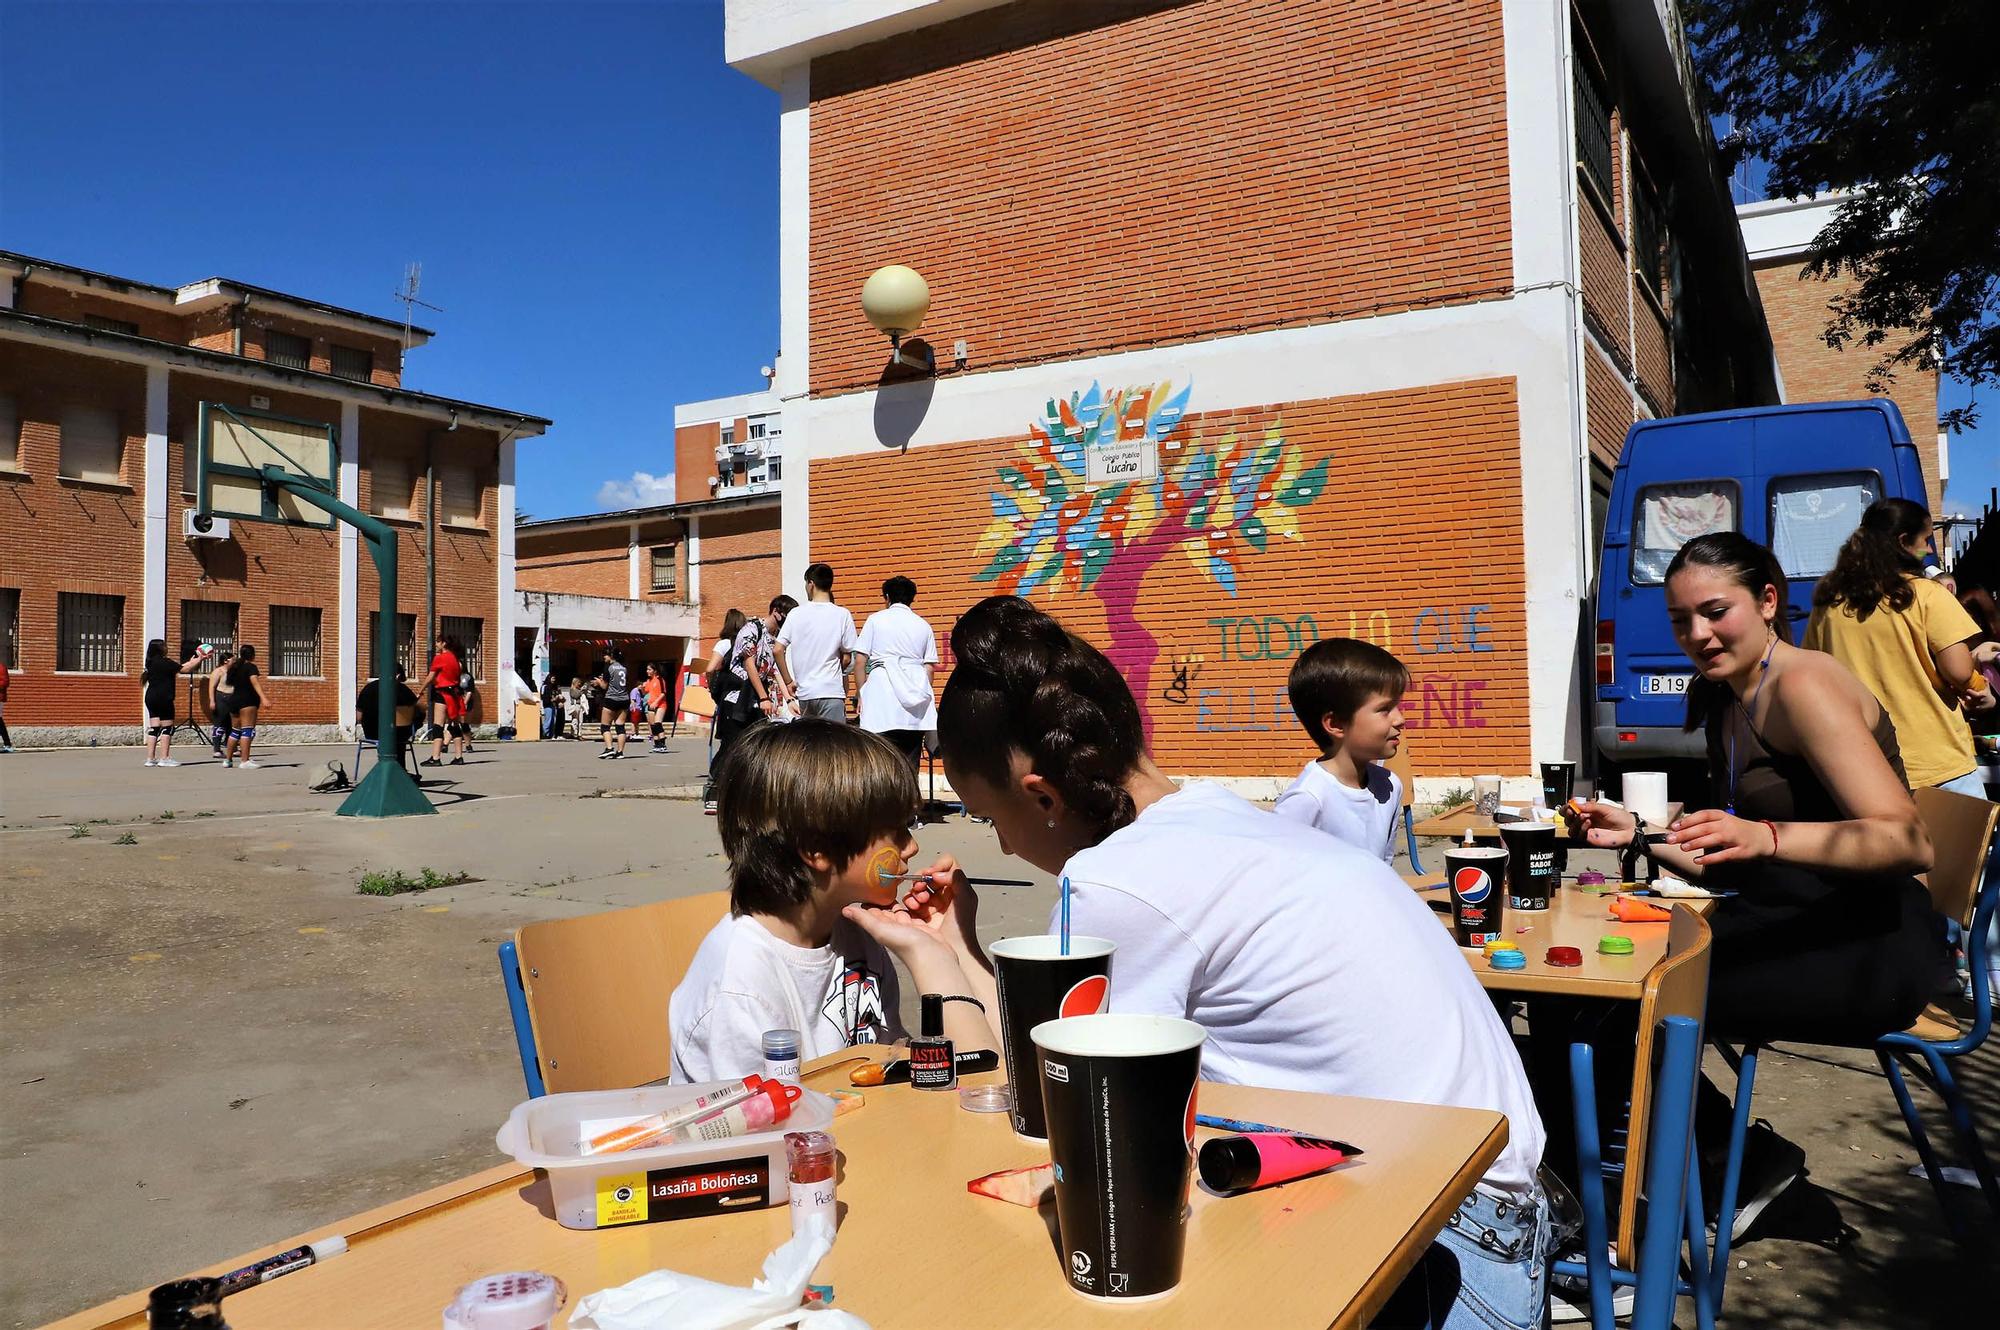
[[249, 764], [1564, 1312], [150, 762], [167, 762]]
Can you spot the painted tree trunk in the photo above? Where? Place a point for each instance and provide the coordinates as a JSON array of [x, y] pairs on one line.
[[1134, 649]]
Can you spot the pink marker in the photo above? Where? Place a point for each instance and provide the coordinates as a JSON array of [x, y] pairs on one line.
[[767, 1106]]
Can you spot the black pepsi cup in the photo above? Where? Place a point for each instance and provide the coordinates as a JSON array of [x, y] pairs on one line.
[[1119, 1092], [1038, 983], [1558, 785], [1475, 874], [1531, 864]]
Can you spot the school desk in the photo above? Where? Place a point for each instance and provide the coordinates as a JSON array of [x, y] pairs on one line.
[[1454, 822], [915, 1247], [1575, 918]]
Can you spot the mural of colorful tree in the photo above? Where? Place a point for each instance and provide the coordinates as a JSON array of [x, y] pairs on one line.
[[1218, 504]]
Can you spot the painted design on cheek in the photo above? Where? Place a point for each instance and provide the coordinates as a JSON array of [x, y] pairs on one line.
[[886, 863]]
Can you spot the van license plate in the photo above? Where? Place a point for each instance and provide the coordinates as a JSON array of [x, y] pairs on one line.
[[1663, 685]]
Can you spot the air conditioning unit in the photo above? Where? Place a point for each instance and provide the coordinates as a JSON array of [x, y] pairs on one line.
[[196, 527]]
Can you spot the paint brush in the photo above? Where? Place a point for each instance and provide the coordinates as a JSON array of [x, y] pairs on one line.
[[1065, 914], [975, 881]]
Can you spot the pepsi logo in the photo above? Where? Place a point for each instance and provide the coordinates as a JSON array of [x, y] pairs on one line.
[[1086, 996], [1472, 885]]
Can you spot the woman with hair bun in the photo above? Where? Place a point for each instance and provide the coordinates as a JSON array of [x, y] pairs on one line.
[[1308, 962]]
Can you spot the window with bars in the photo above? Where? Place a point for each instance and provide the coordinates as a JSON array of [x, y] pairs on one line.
[[1649, 237], [391, 485], [90, 633], [287, 349], [210, 621], [458, 500], [353, 363], [102, 324], [666, 576], [10, 434], [1593, 132], [92, 446], [472, 634], [10, 629], [406, 638], [295, 642]]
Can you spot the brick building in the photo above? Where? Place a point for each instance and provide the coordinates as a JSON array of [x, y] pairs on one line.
[[1776, 234], [658, 580], [1365, 295], [101, 381]]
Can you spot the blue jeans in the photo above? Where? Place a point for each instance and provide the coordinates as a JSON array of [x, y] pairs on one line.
[[1488, 1270]]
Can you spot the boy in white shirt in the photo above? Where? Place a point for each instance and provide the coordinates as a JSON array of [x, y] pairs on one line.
[[813, 648], [1348, 694], [812, 815]]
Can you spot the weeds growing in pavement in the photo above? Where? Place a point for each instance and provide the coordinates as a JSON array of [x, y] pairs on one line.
[[396, 882], [1456, 795], [209, 812], [78, 833], [127, 839], [167, 816]]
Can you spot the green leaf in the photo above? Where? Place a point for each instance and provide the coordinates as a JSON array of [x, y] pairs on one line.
[[1255, 533], [1306, 488], [1005, 561]]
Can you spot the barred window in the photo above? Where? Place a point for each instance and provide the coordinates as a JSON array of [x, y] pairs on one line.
[[285, 349], [10, 629], [10, 434], [210, 621], [665, 573], [295, 642], [471, 632], [353, 363], [1593, 131], [406, 637], [1649, 237], [90, 633], [92, 446], [103, 324]]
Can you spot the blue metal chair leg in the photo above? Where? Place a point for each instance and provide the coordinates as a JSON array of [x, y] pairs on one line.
[[524, 1027], [1732, 1169], [1669, 1154], [1705, 1307], [1410, 837], [1968, 1132], [1590, 1173], [1893, 1069]]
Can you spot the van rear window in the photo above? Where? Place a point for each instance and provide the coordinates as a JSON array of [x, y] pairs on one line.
[[1812, 515], [1667, 517]]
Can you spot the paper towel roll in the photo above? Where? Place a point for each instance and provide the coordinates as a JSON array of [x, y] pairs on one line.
[[1646, 795]]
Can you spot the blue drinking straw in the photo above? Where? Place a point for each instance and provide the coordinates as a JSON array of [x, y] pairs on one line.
[[1065, 914]]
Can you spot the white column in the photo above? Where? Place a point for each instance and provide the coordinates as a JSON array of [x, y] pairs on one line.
[[504, 559], [347, 637], [632, 561], [794, 306], [694, 562], [153, 613]]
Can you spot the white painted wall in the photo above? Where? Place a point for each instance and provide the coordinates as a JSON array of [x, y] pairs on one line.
[[504, 553], [153, 611], [794, 310], [347, 641], [767, 38], [1784, 228]]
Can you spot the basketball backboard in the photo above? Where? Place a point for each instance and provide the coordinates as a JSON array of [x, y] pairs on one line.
[[235, 444]]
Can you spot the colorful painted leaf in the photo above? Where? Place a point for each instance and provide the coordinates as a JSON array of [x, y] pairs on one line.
[[1255, 534], [1305, 488], [1004, 562]]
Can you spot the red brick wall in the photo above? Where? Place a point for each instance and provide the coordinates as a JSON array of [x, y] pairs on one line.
[[597, 562], [740, 566], [387, 351], [1078, 178], [55, 303], [694, 461], [1608, 405], [1796, 309], [67, 536], [1436, 575]]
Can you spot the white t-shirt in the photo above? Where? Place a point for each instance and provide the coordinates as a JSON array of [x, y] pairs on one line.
[[731, 680], [1364, 818], [897, 695], [814, 635], [1309, 963], [743, 981]]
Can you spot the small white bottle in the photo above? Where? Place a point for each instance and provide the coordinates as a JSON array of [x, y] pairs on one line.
[[781, 1056]]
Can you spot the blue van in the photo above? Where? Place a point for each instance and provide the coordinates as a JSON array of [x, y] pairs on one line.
[[1795, 478]]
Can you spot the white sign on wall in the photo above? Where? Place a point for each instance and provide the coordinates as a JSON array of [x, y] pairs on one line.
[[1127, 460]]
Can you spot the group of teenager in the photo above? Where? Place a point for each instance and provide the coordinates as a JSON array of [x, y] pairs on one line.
[[448, 684], [1308, 961], [235, 697]]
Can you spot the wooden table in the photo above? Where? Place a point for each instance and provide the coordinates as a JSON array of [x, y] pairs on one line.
[[1575, 918], [1454, 822], [917, 1249]]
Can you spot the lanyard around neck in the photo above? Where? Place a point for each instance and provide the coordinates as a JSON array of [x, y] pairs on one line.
[[1749, 711]]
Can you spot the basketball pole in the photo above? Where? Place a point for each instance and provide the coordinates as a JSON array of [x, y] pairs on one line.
[[387, 790]]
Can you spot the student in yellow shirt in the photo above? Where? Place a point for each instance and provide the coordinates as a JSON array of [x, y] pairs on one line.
[[1908, 640]]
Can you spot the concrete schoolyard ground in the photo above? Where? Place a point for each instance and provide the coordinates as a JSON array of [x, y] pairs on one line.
[[212, 1041]]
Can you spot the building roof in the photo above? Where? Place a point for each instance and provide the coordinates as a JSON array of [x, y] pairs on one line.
[[1784, 228], [18, 326], [656, 512], [727, 408], [197, 296]]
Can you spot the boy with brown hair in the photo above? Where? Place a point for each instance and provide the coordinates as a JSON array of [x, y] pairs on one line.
[[1348, 694], [812, 815]]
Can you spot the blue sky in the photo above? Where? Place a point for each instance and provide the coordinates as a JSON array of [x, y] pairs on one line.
[[591, 191]]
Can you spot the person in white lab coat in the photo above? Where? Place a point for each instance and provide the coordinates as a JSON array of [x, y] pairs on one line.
[[894, 661]]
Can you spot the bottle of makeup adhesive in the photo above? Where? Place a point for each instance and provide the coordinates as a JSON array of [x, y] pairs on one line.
[[932, 1066], [781, 1056]]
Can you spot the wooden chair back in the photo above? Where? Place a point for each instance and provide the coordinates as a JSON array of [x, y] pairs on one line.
[[597, 989], [696, 700], [1678, 986], [1400, 765], [1961, 830]]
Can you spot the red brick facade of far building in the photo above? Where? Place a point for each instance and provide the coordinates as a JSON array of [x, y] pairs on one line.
[[85, 354], [1416, 269]]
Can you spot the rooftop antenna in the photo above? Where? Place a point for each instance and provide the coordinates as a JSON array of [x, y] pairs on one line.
[[413, 280]]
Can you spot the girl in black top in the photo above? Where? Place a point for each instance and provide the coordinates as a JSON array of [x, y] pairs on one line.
[[162, 673], [247, 690]]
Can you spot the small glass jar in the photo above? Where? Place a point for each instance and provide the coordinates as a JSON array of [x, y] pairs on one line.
[[811, 1162], [781, 1056]]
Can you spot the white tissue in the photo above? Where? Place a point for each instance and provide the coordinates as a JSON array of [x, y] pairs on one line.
[[669, 1300]]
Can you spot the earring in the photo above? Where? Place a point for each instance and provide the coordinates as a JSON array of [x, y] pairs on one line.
[[1052, 824]]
